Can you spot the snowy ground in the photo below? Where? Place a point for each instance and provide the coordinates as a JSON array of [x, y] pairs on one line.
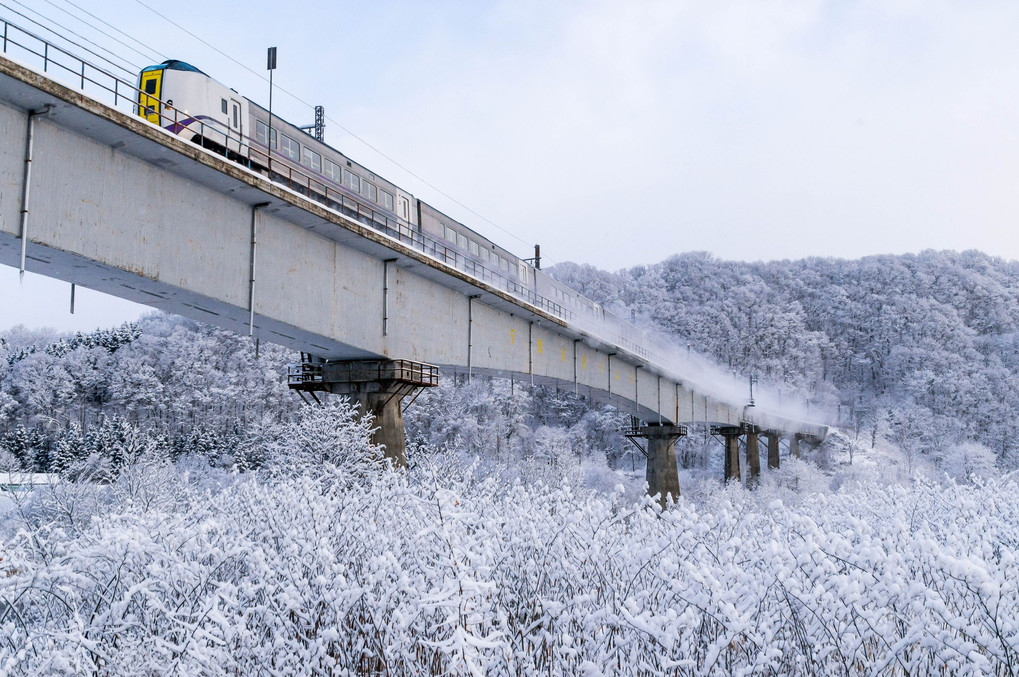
[[452, 570]]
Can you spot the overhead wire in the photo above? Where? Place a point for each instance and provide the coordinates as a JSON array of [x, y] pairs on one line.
[[43, 26], [148, 56], [361, 140]]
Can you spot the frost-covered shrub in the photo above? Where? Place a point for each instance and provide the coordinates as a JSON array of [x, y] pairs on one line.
[[448, 571], [334, 433]]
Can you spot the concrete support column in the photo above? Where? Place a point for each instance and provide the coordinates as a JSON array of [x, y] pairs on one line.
[[731, 436], [662, 470], [387, 411], [753, 460], [378, 387], [773, 440], [794, 446]]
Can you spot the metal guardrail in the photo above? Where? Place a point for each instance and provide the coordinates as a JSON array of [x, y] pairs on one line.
[[53, 56], [315, 375], [637, 429], [305, 375]]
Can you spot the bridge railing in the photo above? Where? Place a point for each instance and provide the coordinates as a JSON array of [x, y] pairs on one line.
[[28, 46], [314, 374], [92, 79], [343, 201]]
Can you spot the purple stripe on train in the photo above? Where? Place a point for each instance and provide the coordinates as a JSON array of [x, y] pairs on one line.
[[178, 127]]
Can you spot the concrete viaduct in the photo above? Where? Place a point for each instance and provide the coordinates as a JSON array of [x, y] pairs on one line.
[[96, 196]]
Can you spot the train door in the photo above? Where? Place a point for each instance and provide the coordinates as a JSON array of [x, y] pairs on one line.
[[522, 274], [149, 89], [236, 124]]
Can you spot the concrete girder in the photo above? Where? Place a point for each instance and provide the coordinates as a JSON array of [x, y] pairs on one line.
[[131, 210]]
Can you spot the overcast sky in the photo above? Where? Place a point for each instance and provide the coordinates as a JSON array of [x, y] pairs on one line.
[[617, 133]]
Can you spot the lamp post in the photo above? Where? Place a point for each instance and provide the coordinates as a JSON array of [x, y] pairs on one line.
[[270, 66]]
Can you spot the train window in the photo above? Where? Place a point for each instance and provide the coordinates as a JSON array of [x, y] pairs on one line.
[[405, 208], [484, 255], [352, 181], [223, 105], [290, 148], [150, 86], [370, 191], [332, 170], [312, 160], [449, 233], [461, 241], [522, 272], [237, 116], [387, 200], [503, 265], [262, 133], [473, 246]]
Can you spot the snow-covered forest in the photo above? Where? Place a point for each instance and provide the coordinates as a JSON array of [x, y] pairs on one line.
[[200, 519], [924, 347]]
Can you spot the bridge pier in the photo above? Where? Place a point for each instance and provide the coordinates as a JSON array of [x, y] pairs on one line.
[[386, 410], [773, 456], [753, 458], [731, 435], [378, 387], [794, 445], [662, 471]]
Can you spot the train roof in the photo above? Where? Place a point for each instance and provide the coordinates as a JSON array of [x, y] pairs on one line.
[[174, 65]]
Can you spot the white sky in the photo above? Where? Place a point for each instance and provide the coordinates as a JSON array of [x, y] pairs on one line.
[[617, 133]]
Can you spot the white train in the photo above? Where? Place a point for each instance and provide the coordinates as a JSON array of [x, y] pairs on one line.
[[185, 101]]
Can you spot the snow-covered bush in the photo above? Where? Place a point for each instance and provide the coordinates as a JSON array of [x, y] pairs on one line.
[[334, 433], [448, 571]]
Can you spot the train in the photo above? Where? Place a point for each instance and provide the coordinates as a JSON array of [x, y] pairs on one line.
[[188, 103]]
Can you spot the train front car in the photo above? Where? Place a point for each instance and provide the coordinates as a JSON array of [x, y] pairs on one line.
[[185, 101]]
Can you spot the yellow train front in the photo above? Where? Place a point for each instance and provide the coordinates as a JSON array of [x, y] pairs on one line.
[[185, 101]]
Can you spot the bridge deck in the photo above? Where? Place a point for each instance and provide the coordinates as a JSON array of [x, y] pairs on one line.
[[121, 206]]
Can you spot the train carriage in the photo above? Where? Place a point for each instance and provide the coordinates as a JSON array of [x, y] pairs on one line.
[[187, 102]]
